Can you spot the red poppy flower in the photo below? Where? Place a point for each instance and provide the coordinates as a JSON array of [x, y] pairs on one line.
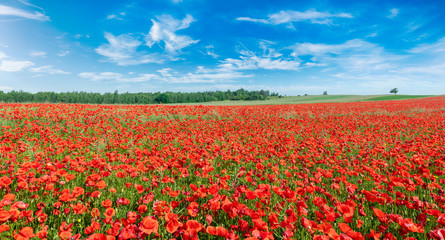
[[149, 225], [25, 234], [97, 236], [193, 209], [4, 228]]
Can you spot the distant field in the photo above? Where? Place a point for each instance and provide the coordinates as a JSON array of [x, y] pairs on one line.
[[310, 99], [396, 97]]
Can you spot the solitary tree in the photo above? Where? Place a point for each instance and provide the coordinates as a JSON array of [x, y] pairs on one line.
[[394, 90], [325, 93]]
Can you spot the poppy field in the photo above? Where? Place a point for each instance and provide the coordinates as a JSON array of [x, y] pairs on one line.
[[365, 170]]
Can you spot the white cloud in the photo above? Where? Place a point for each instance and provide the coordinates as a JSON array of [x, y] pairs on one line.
[[431, 48], [79, 36], [3, 55], [210, 52], [317, 49], [113, 16], [176, 1], [100, 76], [269, 59], [37, 54], [118, 16], [48, 69], [14, 65], [426, 61], [249, 19], [369, 66], [125, 49], [393, 13], [63, 53], [353, 56], [26, 2], [413, 26], [227, 71], [290, 16], [434, 69], [5, 88], [122, 46], [140, 78], [122, 50], [10, 11], [116, 77], [201, 75], [164, 30], [251, 62]]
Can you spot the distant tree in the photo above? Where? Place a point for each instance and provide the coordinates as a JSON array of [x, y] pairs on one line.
[[162, 98], [325, 93], [305, 94], [134, 98], [394, 90], [116, 97]]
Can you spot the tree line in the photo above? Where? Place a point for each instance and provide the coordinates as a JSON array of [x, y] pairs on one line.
[[133, 98]]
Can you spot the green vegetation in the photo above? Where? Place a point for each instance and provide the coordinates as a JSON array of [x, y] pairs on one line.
[[311, 99], [396, 97], [134, 98], [215, 98], [394, 90]]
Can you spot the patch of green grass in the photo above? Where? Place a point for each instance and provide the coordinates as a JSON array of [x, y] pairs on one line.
[[396, 97], [324, 98], [289, 100], [308, 99]]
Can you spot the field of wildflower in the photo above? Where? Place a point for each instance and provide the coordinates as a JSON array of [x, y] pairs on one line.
[[369, 170]]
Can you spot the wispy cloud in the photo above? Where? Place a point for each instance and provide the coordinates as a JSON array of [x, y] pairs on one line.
[[352, 56], [210, 51], [125, 49], [26, 2], [140, 78], [437, 47], [48, 69], [164, 30], [63, 53], [79, 36], [317, 49], [118, 16], [116, 77], [14, 65], [100, 76], [393, 13], [122, 50], [9, 64], [16, 12], [37, 54], [312, 16], [200, 75], [269, 59], [368, 65], [426, 60], [3, 55], [5, 88]]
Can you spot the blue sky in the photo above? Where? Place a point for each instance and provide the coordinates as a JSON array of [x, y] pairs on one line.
[[289, 47]]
